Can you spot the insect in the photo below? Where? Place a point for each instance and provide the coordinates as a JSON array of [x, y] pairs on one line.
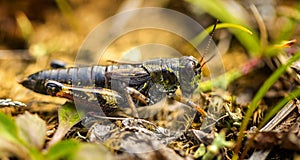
[[142, 83], [124, 83]]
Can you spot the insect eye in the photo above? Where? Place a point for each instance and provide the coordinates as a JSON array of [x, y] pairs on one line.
[[196, 64], [192, 63]]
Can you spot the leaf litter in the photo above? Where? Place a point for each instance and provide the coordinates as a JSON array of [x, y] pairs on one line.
[[39, 132]]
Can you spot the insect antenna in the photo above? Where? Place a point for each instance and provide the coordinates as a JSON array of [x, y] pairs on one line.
[[210, 58], [208, 45]]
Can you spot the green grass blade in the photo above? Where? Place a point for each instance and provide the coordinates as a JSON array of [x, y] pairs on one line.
[[218, 82], [294, 94], [259, 95], [217, 9], [198, 39]]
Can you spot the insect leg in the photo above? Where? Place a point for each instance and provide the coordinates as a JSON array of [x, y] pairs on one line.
[[188, 102], [55, 88], [107, 99], [131, 93], [57, 64], [138, 95]]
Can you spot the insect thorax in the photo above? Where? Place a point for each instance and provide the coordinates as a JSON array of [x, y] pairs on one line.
[[164, 73]]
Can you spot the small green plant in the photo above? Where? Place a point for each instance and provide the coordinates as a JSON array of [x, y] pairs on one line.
[[24, 138], [213, 150]]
